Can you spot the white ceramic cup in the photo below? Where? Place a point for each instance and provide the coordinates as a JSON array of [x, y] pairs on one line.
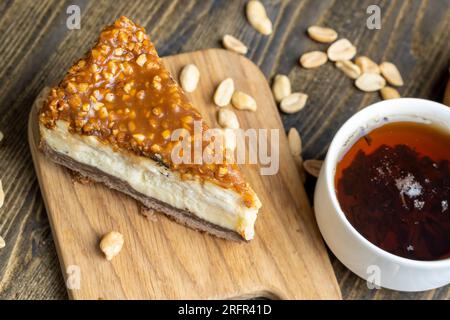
[[358, 254]]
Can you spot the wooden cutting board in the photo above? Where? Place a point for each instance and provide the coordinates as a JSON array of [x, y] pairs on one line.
[[164, 260]]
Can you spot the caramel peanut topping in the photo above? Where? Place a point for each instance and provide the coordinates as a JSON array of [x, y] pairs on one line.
[[122, 94]]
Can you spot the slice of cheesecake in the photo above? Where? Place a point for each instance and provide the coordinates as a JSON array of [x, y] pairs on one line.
[[111, 119]]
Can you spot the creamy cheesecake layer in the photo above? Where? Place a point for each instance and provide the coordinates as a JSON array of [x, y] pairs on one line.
[[223, 207]]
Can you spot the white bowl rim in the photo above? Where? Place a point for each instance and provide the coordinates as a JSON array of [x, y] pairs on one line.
[[329, 173]]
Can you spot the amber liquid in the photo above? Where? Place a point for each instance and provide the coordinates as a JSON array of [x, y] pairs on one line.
[[393, 185]]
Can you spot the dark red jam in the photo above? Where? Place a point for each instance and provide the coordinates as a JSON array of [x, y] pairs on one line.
[[393, 185]]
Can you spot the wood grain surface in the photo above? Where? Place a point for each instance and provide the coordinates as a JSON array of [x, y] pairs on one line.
[[36, 49], [164, 260]]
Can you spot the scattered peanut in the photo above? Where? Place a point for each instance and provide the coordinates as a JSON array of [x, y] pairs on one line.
[[281, 87], [231, 43], [228, 119], [313, 167], [111, 244], [391, 74], [367, 65], [2, 242], [2, 195], [341, 50], [295, 142], [322, 34], [189, 77], [349, 68], [370, 82], [224, 92], [1, 136], [257, 16], [389, 93], [313, 59], [243, 101], [294, 102]]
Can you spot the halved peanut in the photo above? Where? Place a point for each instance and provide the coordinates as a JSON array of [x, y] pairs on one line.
[[141, 60], [257, 16], [228, 119], [370, 82], [313, 59], [111, 244], [389, 93], [189, 77], [233, 44], [1, 136], [2, 242], [342, 49], [243, 101], [367, 65], [294, 102], [349, 68], [313, 167], [322, 34], [391, 74], [224, 92], [281, 87], [295, 142]]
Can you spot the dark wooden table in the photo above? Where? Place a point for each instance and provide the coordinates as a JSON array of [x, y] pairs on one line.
[[36, 48]]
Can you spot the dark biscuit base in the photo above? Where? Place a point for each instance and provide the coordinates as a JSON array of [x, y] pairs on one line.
[[181, 216]]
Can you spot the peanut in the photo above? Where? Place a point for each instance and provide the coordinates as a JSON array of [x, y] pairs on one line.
[[294, 102], [257, 17], [111, 244], [281, 87], [243, 101], [341, 50], [370, 82], [322, 34], [231, 43], [228, 119], [389, 93], [313, 167], [313, 59], [367, 65], [189, 77], [391, 74], [224, 92], [349, 68]]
